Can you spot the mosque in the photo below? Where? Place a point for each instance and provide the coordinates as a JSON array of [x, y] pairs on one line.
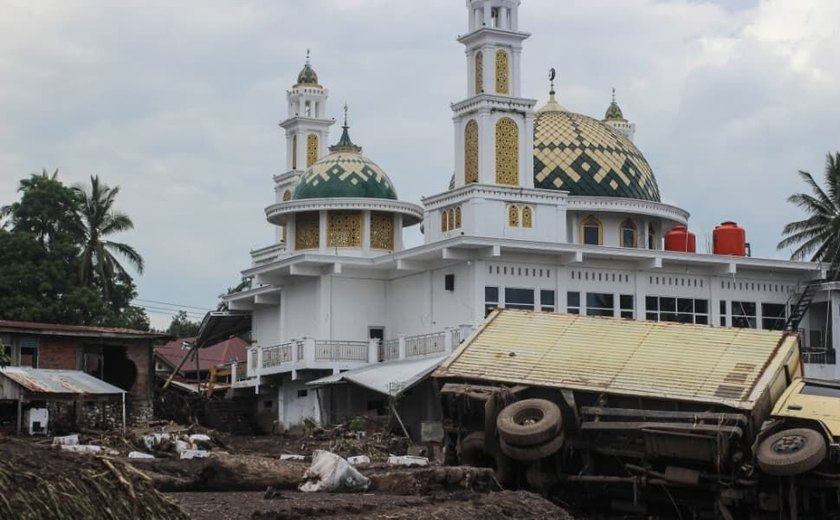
[[547, 209]]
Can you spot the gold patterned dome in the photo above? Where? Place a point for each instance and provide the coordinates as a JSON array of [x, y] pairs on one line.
[[307, 75], [581, 155]]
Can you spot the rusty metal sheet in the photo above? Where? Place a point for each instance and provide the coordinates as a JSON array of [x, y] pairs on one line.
[[662, 360], [48, 381]]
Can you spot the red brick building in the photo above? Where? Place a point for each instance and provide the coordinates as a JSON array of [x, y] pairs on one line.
[[121, 357]]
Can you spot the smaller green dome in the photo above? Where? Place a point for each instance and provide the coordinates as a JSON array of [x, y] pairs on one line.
[[345, 172], [307, 76], [614, 112]]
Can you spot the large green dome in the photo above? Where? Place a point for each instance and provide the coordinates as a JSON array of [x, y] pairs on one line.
[[345, 172], [584, 156]]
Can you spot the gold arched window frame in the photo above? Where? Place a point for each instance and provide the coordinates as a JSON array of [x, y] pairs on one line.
[[471, 152], [591, 221], [629, 225], [311, 149], [513, 215], [294, 152], [527, 217], [458, 217], [287, 195], [444, 221], [479, 72], [502, 72], [507, 152]]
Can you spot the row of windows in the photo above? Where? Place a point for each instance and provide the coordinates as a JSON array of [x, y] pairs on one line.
[[519, 271], [507, 152], [592, 233], [657, 308], [21, 351], [450, 219], [520, 216]]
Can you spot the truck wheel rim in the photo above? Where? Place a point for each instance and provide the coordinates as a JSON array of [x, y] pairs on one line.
[[789, 444]]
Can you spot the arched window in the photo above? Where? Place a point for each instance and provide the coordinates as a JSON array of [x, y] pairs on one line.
[[294, 152], [311, 149], [513, 215], [471, 152], [479, 72], [502, 72], [651, 237], [287, 195], [507, 152], [452, 218], [458, 217], [629, 234], [591, 231], [444, 221], [527, 217]]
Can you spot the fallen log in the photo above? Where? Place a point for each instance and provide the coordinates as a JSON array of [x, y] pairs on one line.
[[422, 481], [249, 473]]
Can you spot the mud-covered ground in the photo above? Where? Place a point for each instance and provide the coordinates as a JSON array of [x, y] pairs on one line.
[[295, 505]]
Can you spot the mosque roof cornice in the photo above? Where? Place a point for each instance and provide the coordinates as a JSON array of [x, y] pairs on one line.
[[279, 212], [495, 34]]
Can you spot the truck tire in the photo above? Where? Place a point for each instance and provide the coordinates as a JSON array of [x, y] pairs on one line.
[[529, 422], [472, 449], [531, 453], [791, 452]]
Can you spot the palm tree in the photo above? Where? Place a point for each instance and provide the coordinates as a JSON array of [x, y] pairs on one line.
[[99, 219], [820, 232]]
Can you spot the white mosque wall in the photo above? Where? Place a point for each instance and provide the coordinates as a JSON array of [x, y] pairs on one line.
[[408, 305], [355, 305], [266, 328], [301, 315]]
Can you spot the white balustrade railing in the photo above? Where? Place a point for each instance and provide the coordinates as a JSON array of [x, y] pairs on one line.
[[276, 355], [341, 351], [425, 344], [389, 349], [306, 352]]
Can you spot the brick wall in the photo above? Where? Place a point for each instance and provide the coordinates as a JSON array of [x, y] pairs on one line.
[[57, 352], [141, 355]]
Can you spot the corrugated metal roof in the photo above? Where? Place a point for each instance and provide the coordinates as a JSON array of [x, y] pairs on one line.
[[56, 329], [389, 378], [48, 381], [666, 360]]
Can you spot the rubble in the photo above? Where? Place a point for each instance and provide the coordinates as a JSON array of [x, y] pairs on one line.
[[74, 486]]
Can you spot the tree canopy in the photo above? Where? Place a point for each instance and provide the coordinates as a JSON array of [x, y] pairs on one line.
[[42, 244], [182, 327], [818, 235]]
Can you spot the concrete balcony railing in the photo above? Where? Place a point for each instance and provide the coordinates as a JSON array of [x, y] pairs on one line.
[[337, 355]]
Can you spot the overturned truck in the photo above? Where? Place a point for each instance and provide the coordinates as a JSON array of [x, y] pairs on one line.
[[645, 418]]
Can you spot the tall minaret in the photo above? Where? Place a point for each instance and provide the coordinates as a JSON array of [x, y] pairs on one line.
[[614, 117], [307, 131], [494, 126]]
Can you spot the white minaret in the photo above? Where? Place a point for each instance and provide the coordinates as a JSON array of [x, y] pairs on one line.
[[307, 132], [494, 126], [614, 117]]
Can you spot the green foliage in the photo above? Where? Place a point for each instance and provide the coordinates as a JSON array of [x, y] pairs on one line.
[[182, 327], [356, 424], [41, 247], [4, 358], [818, 235]]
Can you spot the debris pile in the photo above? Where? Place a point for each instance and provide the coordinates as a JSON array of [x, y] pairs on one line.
[[42, 482]]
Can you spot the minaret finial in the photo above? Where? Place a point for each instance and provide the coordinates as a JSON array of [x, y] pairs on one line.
[[551, 74], [307, 56], [613, 95], [345, 144]]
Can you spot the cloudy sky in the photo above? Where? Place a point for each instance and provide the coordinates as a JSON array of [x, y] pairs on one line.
[[178, 104]]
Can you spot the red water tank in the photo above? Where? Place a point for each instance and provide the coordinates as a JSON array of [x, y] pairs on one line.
[[729, 239], [680, 239]]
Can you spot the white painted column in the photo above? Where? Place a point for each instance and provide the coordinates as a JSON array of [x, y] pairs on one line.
[[486, 148], [503, 18], [488, 22], [516, 56], [322, 230], [366, 231], [489, 69], [514, 19]]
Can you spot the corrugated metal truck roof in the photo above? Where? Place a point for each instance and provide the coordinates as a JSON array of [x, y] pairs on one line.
[[665, 360]]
